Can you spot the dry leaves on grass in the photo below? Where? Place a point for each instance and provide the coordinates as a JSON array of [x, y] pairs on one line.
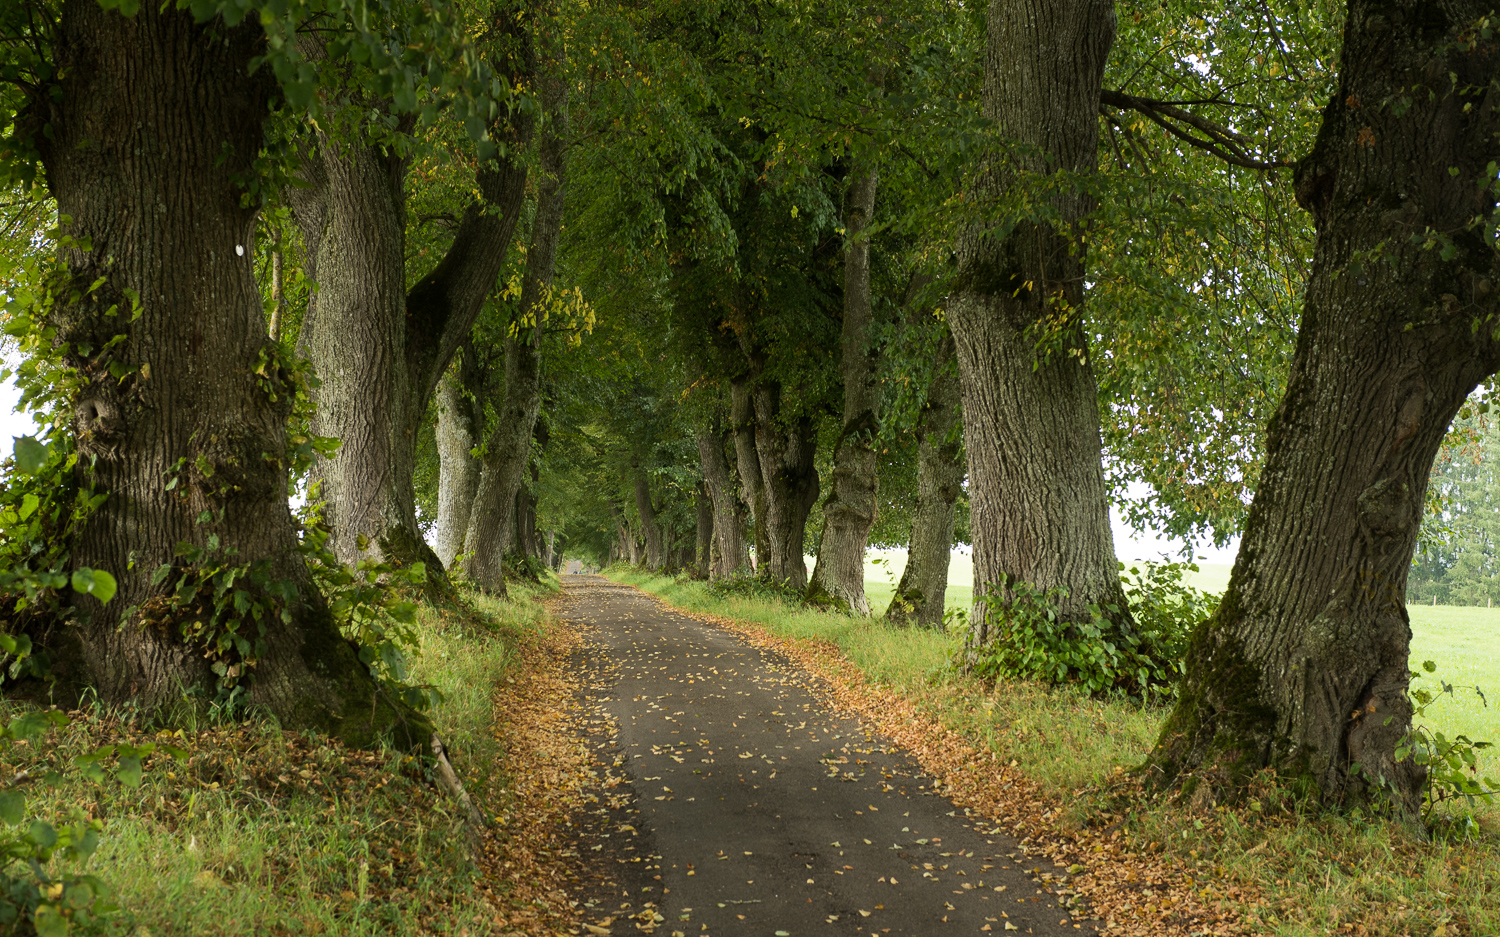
[[546, 765], [1134, 894]]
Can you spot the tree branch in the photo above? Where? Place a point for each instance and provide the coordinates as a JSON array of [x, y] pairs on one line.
[[1216, 139]]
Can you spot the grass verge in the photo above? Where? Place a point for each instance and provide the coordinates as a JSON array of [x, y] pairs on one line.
[[1271, 866], [260, 831]]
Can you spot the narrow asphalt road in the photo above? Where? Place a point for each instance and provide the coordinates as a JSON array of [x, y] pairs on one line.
[[767, 812]]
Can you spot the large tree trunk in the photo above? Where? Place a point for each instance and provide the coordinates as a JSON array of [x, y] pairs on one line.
[[1304, 667], [747, 461], [155, 126], [460, 421], [508, 450], [786, 450], [1031, 427], [849, 510], [919, 599], [728, 521], [656, 553], [380, 352]]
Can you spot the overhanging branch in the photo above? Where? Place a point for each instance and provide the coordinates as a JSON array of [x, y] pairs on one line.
[[1212, 138]]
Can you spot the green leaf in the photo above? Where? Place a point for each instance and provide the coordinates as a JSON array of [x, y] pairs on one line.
[[129, 771], [1429, 666], [49, 921], [30, 455], [12, 807], [95, 582]]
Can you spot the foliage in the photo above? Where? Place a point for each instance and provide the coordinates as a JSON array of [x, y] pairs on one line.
[[1458, 554], [753, 587], [1035, 643], [1450, 763]]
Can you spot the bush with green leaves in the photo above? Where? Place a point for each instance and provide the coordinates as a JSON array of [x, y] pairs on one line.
[[1034, 642], [754, 587]]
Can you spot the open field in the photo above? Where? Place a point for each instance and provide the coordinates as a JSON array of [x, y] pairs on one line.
[[1460, 640]]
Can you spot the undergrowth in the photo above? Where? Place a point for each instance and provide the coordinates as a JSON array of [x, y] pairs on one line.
[[259, 831], [1286, 867]]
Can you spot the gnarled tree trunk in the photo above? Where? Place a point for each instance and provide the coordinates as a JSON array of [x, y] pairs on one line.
[[728, 521], [1304, 667], [849, 510], [508, 449], [1031, 428], [919, 599], [156, 124]]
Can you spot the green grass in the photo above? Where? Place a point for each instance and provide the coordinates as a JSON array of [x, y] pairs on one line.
[[1315, 871], [265, 832], [1460, 640]]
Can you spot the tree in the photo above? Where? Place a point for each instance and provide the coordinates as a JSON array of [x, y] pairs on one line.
[[1304, 668], [380, 350], [148, 128], [508, 447], [1031, 418]]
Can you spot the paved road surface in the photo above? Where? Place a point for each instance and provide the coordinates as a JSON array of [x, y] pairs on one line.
[[769, 814]]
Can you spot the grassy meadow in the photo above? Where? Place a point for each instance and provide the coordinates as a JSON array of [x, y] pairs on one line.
[[260, 831]]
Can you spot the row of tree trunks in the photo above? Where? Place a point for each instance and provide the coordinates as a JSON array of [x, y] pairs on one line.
[[849, 510], [155, 124], [1304, 668], [920, 597], [1031, 426], [379, 351], [508, 448]]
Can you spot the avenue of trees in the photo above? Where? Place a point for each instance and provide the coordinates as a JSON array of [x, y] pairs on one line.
[[713, 287]]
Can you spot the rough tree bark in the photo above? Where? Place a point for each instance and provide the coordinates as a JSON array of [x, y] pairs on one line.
[[460, 421], [1031, 428], [379, 351], [1304, 667], [656, 551], [786, 448], [155, 126], [508, 449], [849, 510], [920, 597], [728, 519], [747, 462], [703, 545]]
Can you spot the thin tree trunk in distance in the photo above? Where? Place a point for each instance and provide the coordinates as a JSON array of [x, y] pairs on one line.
[[790, 482], [728, 521], [1031, 428], [849, 510], [1304, 667], [278, 295], [920, 597], [459, 424], [747, 461], [705, 531], [508, 450], [154, 127]]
